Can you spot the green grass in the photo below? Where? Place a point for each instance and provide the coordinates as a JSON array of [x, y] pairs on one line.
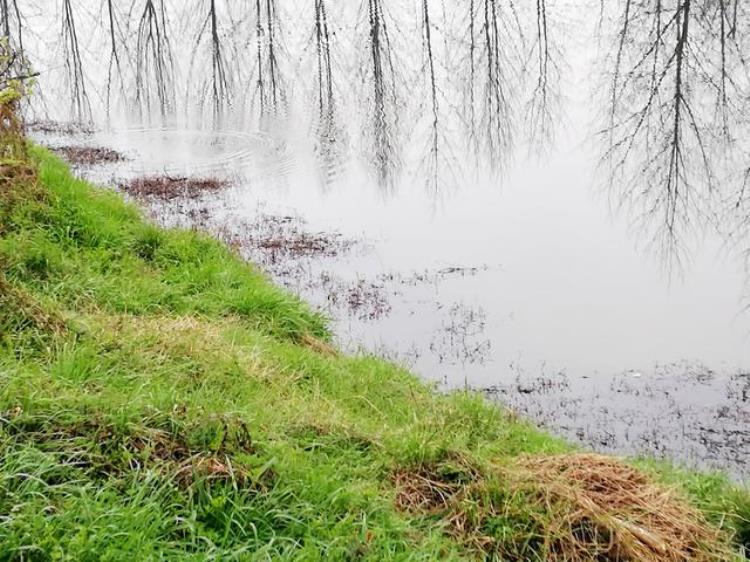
[[160, 399]]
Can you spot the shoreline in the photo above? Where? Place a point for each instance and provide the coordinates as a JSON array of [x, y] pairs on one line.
[[635, 412], [156, 361]]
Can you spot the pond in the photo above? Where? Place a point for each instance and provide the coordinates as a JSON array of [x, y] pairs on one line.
[[506, 267]]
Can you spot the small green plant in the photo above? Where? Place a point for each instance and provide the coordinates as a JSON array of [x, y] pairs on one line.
[[16, 82]]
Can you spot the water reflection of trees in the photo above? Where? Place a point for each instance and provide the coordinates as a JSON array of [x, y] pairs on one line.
[[495, 61], [329, 133], [114, 67], [230, 59], [485, 79], [544, 105], [154, 75], [677, 117], [219, 82], [269, 85], [381, 93], [80, 105]]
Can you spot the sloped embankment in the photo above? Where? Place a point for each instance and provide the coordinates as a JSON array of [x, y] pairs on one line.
[[160, 399]]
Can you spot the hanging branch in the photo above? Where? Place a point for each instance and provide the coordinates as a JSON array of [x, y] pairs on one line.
[[8, 12], [16, 67], [5, 15]]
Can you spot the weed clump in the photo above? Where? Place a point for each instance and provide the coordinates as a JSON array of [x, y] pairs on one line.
[[434, 488], [20, 311], [59, 127], [166, 188], [89, 155], [18, 185], [276, 240], [185, 454], [281, 237], [12, 141]]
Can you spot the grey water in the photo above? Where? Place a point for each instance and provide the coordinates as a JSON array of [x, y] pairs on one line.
[[499, 266]]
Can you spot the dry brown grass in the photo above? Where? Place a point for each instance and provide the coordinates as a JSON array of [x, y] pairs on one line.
[[18, 184], [607, 510], [564, 508], [19, 310], [14, 173], [318, 345], [12, 141], [433, 488]]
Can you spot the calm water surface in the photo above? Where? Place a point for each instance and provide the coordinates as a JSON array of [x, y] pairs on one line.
[[528, 288], [524, 283]]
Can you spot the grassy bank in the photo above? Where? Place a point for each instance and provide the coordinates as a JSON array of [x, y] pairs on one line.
[[160, 399]]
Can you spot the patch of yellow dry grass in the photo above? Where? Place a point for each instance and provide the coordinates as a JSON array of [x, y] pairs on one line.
[[607, 510], [577, 508]]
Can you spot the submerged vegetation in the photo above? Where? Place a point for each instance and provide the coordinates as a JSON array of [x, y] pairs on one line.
[[160, 399], [167, 187], [88, 155]]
